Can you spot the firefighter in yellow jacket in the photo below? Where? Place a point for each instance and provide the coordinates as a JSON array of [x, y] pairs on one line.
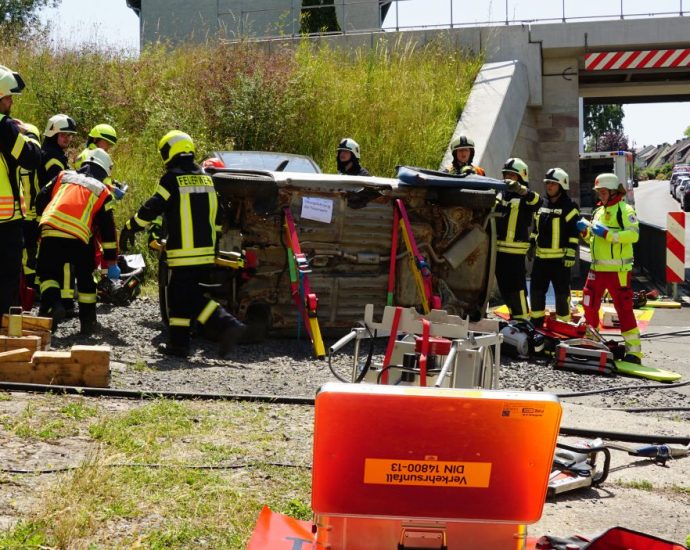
[[516, 206], [187, 200], [611, 235], [70, 207], [29, 181], [16, 152]]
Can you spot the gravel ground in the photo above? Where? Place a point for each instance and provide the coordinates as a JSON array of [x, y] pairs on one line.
[[285, 367]]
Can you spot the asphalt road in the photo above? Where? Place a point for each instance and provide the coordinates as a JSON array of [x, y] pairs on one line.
[[653, 203]]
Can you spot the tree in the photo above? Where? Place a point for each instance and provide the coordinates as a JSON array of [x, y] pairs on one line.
[[600, 119], [18, 15], [612, 141], [687, 132], [318, 16]]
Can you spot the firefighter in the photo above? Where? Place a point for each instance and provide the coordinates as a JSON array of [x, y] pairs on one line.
[[70, 206], [186, 197], [462, 149], [611, 235], [16, 151], [348, 155], [29, 181], [516, 206], [57, 137], [555, 240]]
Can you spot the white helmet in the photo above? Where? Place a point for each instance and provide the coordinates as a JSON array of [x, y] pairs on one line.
[[10, 82], [60, 124], [101, 158], [349, 144], [607, 181], [559, 176], [517, 166]]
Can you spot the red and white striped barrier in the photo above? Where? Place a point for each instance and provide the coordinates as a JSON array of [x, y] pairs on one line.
[[637, 59], [675, 247]]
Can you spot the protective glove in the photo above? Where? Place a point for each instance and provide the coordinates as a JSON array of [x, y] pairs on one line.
[[119, 190], [582, 225], [114, 272], [516, 187], [467, 170], [127, 237], [599, 230]]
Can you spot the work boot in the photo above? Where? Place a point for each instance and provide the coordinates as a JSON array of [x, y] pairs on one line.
[[58, 314], [230, 336], [173, 350], [630, 358], [89, 328]]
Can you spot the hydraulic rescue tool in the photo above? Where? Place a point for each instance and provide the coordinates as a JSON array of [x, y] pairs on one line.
[[305, 300]]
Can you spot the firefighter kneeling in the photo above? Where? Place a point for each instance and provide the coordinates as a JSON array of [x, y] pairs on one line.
[[611, 234], [70, 206], [187, 200]]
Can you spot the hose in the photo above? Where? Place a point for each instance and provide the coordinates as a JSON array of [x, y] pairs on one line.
[[654, 409], [623, 388], [291, 400], [363, 371]]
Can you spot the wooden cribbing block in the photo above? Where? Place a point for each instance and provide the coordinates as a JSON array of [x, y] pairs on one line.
[[44, 335], [30, 322], [20, 354], [32, 343], [87, 366]]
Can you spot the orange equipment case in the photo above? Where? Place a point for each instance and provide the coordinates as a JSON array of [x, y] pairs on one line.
[[429, 467]]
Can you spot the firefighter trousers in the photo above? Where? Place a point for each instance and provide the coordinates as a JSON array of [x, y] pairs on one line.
[[53, 254], [189, 307], [545, 272], [10, 263], [510, 276], [31, 232], [618, 285]]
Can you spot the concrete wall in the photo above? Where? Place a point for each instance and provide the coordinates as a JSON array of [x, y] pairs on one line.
[[200, 20]]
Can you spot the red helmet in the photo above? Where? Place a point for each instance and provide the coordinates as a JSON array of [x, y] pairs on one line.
[[213, 162]]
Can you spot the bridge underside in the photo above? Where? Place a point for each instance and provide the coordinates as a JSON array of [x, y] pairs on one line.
[[636, 86]]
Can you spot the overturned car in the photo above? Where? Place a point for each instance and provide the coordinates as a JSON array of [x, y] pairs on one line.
[[334, 237]]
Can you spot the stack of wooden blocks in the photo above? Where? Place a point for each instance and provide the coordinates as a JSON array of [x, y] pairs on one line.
[[25, 359]]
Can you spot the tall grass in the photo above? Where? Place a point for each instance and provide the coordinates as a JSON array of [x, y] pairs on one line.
[[400, 101]]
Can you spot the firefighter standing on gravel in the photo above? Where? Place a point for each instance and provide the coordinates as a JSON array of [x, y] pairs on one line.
[[462, 149], [611, 235], [555, 241], [186, 197], [57, 137], [347, 158], [70, 206], [516, 207], [16, 152]]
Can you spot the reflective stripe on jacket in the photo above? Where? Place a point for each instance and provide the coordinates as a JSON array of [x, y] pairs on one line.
[[15, 151], [187, 199], [513, 228], [76, 198], [615, 251], [555, 230]]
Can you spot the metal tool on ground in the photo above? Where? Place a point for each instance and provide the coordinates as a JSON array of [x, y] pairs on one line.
[[577, 466], [305, 300], [438, 349], [584, 355]]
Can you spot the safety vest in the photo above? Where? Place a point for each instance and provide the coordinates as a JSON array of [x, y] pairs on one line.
[[12, 206], [615, 252], [76, 199], [554, 228]]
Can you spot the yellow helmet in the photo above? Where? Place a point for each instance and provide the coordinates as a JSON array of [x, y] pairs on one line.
[[517, 166], [175, 143], [607, 181], [10, 82], [103, 131]]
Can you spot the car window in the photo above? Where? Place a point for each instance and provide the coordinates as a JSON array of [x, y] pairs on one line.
[[264, 160]]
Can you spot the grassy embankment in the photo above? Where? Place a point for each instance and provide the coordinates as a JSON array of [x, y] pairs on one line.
[[401, 105]]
